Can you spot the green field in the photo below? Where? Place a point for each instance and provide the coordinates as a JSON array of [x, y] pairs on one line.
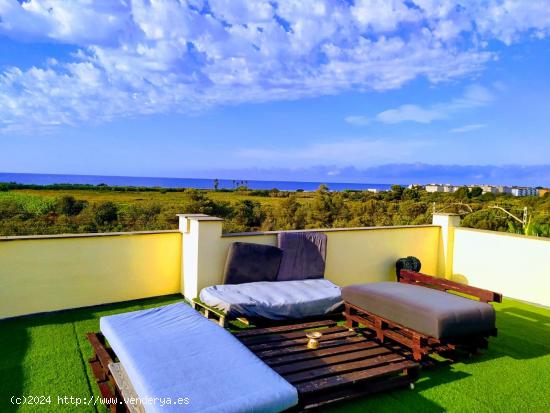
[[32, 210]]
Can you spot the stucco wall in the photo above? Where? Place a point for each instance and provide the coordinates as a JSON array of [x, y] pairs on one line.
[[514, 265], [39, 274], [353, 255]]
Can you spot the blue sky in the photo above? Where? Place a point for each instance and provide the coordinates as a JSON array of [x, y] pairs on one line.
[[364, 91]]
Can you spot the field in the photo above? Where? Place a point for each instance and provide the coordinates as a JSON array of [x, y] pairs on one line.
[[32, 210]]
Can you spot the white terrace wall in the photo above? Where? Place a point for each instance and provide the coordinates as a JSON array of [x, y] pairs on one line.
[[48, 273], [354, 255], [514, 265]]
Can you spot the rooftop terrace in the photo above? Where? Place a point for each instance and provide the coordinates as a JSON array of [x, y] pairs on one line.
[[46, 354]]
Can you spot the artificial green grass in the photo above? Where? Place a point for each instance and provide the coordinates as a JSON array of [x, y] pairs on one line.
[[47, 355]]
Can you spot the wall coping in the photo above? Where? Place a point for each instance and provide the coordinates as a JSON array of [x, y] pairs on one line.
[[506, 234], [85, 235], [199, 217], [257, 233]]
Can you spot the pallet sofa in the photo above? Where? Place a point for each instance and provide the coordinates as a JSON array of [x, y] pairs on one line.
[[420, 312], [263, 282]]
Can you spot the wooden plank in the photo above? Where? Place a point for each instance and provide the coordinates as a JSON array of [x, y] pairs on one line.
[[126, 388], [320, 372], [273, 338], [344, 332], [99, 349], [105, 391], [330, 360], [350, 378], [98, 370], [483, 295], [316, 400], [313, 354], [286, 328], [303, 348]]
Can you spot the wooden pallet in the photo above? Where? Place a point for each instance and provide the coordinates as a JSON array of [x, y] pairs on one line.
[[210, 312], [420, 344], [348, 363]]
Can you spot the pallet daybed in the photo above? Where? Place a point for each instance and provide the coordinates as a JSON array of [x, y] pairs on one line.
[[422, 344], [346, 365]]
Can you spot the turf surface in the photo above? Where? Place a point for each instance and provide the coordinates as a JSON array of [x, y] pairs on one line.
[[46, 355]]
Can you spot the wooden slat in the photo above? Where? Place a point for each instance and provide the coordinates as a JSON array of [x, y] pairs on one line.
[[315, 400], [105, 391], [330, 360], [344, 332], [273, 338], [99, 349], [282, 329], [320, 372], [349, 378], [126, 388], [302, 347], [434, 282], [313, 354], [98, 370]]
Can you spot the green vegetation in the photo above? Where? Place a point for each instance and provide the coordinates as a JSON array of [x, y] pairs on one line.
[[46, 355], [53, 209]]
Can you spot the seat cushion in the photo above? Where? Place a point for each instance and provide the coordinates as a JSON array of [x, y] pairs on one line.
[[173, 352], [304, 255], [276, 300], [431, 312], [247, 262]]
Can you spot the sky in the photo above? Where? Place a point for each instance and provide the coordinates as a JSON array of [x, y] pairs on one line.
[[375, 91]]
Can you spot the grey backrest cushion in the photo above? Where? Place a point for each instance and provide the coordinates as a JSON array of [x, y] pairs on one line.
[[248, 262], [304, 255]]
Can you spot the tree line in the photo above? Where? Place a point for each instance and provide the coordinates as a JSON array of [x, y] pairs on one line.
[[24, 213]]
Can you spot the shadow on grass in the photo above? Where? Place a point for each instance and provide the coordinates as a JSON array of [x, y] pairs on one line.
[[522, 335], [46, 354]]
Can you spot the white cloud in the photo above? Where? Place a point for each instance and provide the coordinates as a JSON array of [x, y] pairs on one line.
[[474, 96], [144, 57], [468, 128], [357, 120], [412, 113], [340, 153]]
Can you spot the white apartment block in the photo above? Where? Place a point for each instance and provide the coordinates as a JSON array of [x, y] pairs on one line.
[[434, 188], [523, 191], [441, 188]]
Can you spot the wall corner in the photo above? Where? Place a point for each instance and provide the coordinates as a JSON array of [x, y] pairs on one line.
[[447, 222], [199, 233]]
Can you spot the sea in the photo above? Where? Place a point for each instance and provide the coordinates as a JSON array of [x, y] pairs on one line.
[[198, 183]]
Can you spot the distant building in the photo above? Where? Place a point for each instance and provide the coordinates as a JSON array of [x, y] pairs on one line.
[[434, 188], [415, 186], [489, 189], [441, 188], [524, 191], [373, 190], [502, 189], [544, 191]]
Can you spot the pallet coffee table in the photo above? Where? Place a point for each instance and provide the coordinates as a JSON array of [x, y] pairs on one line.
[[348, 363]]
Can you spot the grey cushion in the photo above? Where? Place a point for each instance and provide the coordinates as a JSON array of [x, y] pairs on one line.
[[434, 313], [303, 255], [248, 262], [279, 300]]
